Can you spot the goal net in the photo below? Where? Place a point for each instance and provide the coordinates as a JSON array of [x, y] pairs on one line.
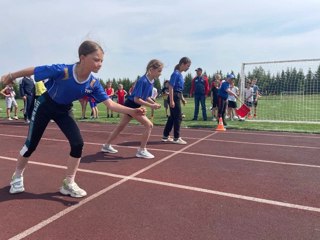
[[289, 90]]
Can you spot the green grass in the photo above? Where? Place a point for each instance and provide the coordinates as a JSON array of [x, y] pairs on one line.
[[160, 118]]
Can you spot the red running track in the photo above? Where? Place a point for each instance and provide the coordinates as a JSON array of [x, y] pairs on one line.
[[221, 185]]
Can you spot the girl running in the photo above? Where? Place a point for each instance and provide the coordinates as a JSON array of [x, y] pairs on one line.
[[140, 96], [67, 83]]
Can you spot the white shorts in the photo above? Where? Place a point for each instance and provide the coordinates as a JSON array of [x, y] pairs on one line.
[[11, 101]]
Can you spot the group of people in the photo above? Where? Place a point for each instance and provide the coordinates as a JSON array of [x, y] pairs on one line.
[[224, 95], [119, 94], [69, 82], [29, 91]]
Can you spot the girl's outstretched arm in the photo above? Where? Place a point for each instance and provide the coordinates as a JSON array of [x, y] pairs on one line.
[[123, 109], [10, 77]]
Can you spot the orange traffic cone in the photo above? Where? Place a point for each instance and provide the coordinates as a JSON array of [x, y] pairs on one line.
[[220, 126]]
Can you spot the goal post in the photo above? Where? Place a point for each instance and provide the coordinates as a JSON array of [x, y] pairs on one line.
[[289, 90]]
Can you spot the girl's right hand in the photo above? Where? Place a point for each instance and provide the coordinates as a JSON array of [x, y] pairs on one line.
[[140, 111], [172, 105]]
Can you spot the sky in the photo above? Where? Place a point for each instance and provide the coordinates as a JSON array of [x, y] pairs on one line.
[[214, 34]]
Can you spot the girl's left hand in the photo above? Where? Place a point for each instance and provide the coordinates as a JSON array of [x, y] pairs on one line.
[[156, 106]]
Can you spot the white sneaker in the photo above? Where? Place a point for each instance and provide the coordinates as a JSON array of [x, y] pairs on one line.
[[167, 139], [15, 118], [72, 189], [179, 141], [235, 118], [9, 118], [16, 185], [143, 153], [108, 148]]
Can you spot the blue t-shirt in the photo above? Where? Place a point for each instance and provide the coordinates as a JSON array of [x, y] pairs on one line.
[[177, 81], [63, 86], [222, 92], [255, 90], [142, 89]]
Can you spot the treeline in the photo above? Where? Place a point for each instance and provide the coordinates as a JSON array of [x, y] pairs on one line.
[[289, 80]]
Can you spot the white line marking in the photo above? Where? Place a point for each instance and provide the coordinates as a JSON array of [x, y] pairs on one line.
[[92, 197], [238, 132], [214, 140]]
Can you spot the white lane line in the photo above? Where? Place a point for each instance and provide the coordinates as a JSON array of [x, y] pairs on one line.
[[231, 195], [231, 132], [263, 144], [92, 197], [213, 140], [167, 184], [195, 154]]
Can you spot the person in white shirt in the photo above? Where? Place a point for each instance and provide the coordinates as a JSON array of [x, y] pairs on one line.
[[10, 94], [248, 96], [232, 102]]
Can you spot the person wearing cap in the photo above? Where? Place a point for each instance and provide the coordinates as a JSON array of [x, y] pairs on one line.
[[199, 89], [223, 93]]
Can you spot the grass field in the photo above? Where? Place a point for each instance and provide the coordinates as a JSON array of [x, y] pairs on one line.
[[160, 118]]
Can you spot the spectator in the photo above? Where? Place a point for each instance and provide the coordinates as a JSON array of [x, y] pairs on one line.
[[214, 98], [10, 94], [248, 98], [232, 102], [110, 92], [223, 93], [84, 102], [27, 91], [94, 108], [199, 89], [165, 94], [256, 95], [121, 94], [40, 89]]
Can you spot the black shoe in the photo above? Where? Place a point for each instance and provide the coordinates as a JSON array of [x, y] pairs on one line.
[[194, 119], [204, 119]]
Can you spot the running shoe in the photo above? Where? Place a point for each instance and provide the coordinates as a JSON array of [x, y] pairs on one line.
[[15, 118], [16, 185], [107, 148], [72, 189], [167, 139], [179, 141], [143, 153]]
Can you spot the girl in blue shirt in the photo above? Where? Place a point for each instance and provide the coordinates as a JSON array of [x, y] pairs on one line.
[[140, 96], [66, 84], [176, 85]]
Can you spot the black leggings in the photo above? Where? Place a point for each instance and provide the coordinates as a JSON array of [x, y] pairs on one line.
[[44, 110], [175, 118], [222, 106]]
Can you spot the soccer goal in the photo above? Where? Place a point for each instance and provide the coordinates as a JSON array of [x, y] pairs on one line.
[[289, 91]]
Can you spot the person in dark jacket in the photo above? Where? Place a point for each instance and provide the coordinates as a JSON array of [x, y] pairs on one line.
[[27, 92], [199, 89]]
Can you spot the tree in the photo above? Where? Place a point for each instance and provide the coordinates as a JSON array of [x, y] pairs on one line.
[[157, 85], [187, 84]]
